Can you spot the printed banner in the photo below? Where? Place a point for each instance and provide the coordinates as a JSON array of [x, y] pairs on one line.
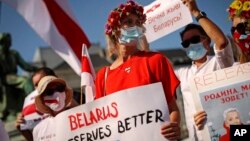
[[225, 96], [129, 115], [164, 17]]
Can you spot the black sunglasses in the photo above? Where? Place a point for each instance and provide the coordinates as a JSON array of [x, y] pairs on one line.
[[193, 40], [57, 88], [240, 27]]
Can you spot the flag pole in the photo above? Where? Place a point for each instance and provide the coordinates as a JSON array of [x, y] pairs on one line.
[[81, 100], [81, 96]]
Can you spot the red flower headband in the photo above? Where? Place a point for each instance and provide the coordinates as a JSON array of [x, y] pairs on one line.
[[118, 14], [239, 8]]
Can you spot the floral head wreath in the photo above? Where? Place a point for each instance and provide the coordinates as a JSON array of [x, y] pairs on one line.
[[239, 8], [118, 14]]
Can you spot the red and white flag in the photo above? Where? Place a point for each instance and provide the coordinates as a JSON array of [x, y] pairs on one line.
[[55, 24], [87, 76], [29, 112]]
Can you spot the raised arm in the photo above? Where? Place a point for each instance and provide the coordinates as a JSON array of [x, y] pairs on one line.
[[212, 30]]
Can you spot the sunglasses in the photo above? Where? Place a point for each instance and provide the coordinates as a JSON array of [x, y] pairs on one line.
[[57, 88], [193, 40], [240, 27]]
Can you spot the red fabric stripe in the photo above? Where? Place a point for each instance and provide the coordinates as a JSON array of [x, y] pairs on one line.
[[30, 109], [85, 65], [51, 101], [72, 33]]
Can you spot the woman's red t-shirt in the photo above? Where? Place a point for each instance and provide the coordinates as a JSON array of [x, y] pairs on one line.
[[141, 69]]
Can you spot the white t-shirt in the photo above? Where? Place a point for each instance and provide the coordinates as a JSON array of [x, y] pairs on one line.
[[45, 130], [222, 59], [3, 134]]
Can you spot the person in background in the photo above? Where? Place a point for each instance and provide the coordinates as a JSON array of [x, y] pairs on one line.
[[239, 15], [51, 88], [231, 117], [44, 71], [36, 77], [196, 39], [124, 30]]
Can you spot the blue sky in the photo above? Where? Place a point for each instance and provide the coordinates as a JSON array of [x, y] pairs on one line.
[[91, 16]]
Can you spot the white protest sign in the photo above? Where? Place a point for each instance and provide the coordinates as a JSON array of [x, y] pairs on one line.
[[129, 115], [164, 17], [223, 90]]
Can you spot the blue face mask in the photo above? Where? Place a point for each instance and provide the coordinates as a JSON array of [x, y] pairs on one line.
[[130, 34], [196, 51]]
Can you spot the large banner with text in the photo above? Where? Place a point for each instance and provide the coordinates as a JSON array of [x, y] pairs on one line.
[[164, 17], [129, 115], [225, 96]]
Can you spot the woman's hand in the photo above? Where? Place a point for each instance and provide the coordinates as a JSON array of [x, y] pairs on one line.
[[192, 6], [200, 119], [171, 130]]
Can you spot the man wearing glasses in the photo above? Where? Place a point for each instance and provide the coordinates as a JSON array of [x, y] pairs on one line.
[[196, 41]]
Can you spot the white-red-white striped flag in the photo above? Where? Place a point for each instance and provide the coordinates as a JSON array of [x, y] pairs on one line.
[[29, 112], [87, 76], [55, 24]]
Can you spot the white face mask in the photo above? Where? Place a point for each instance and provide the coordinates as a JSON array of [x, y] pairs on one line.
[[196, 51], [57, 101], [129, 36]]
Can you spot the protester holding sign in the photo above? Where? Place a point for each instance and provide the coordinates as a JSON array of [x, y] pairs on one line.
[[239, 15], [196, 41], [133, 67], [28, 110], [54, 96], [36, 77]]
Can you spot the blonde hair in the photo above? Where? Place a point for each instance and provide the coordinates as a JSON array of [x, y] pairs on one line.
[[239, 56], [112, 46], [243, 58]]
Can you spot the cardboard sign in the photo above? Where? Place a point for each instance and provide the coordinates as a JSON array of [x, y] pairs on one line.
[[164, 17], [129, 115], [224, 95]]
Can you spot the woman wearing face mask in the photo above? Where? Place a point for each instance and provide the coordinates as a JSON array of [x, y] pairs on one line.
[[133, 67], [239, 15], [54, 96], [196, 39]]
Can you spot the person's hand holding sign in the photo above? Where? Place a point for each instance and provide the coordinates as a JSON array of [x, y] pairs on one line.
[[200, 119], [171, 131], [192, 6]]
